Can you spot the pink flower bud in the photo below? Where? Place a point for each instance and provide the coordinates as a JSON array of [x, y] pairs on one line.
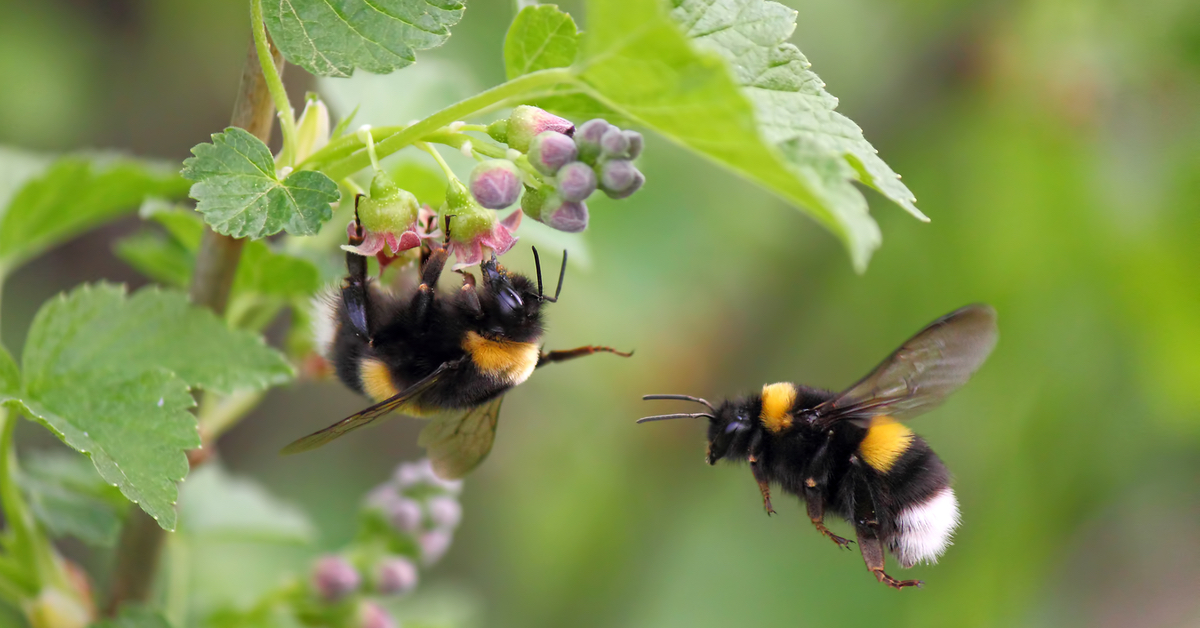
[[445, 512], [395, 575], [635, 143], [614, 144], [587, 139], [549, 151], [405, 515], [620, 178], [564, 215], [371, 615], [334, 578], [576, 181], [434, 545], [496, 183], [526, 122]]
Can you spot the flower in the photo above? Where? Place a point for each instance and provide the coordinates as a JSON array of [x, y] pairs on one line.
[[389, 216], [473, 228]]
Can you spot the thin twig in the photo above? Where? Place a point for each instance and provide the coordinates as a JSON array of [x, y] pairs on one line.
[[216, 264]]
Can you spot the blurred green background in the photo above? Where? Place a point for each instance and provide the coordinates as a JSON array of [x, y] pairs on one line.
[[1054, 143]]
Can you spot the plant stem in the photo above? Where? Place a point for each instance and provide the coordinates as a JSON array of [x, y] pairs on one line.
[[216, 264], [438, 158], [270, 69], [341, 167]]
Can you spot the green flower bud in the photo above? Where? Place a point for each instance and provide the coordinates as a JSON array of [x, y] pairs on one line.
[[390, 209], [312, 131], [527, 122], [498, 131]]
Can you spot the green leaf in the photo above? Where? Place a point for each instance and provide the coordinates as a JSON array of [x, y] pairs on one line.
[[101, 329], [217, 505], [109, 374], [540, 37], [380, 36], [240, 195], [73, 194], [10, 375], [68, 497], [733, 91], [157, 257], [135, 430], [789, 99], [261, 271], [134, 617]]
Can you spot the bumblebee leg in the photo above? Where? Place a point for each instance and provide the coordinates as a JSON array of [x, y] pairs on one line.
[[570, 354], [354, 291], [816, 512], [760, 474], [469, 299], [431, 270], [866, 525]]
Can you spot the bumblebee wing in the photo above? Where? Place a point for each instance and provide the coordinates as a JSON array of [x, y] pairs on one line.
[[458, 441], [922, 372], [377, 411]]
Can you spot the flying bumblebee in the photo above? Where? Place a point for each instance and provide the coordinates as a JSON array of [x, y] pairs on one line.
[[450, 358], [847, 453]]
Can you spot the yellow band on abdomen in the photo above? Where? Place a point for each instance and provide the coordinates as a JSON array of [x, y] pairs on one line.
[[885, 442]]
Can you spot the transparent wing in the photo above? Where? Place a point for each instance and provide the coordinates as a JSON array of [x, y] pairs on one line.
[[371, 414], [922, 372], [458, 441]]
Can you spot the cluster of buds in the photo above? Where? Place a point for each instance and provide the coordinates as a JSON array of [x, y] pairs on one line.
[[563, 167], [407, 523], [555, 166]]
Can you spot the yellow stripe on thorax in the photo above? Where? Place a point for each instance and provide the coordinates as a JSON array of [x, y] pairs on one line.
[[507, 361], [885, 442], [376, 379], [777, 401]]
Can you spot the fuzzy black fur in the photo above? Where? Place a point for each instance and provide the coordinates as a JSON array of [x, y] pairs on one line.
[[416, 332]]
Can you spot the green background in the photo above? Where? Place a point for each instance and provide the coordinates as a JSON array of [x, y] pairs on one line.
[[1055, 145]]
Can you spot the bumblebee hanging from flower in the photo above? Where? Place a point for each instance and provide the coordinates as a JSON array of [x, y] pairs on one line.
[[847, 453], [448, 357]]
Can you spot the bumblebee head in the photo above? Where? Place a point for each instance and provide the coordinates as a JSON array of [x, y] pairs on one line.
[[729, 426], [510, 304], [729, 431]]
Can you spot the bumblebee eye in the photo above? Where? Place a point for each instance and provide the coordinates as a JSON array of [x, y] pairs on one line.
[[509, 299]]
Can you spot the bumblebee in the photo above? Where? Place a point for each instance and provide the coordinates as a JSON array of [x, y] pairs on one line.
[[847, 453], [450, 358]]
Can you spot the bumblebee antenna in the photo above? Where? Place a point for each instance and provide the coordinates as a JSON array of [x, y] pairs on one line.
[[562, 272], [679, 398], [537, 263], [664, 417]]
